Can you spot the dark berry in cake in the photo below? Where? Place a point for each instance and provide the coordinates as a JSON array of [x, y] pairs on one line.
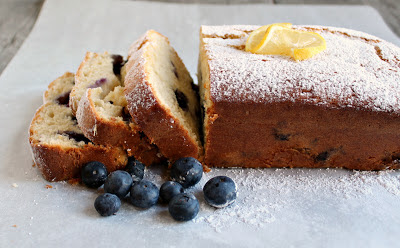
[[184, 207], [135, 168], [94, 174], [181, 99], [118, 183], [144, 194], [98, 83], [107, 204], [63, 99], [78, 137], [170, 189], [187, 171], [220, 191], [118, 62]]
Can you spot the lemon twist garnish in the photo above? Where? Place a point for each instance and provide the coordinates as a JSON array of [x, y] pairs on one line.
[[282, 39]]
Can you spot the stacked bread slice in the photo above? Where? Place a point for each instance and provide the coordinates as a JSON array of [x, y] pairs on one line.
[[162, 97], [58, 145], [87, 117]]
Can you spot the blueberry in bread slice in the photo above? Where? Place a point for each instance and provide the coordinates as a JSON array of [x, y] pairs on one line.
[[162, 98], [96, 70], [58, 145], [100, 105]]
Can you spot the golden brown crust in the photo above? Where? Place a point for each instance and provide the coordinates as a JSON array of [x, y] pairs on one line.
[[157, 122], [115, 132], [254, 135], [46, 94], [173, 141], [58, 164], [62, 163]]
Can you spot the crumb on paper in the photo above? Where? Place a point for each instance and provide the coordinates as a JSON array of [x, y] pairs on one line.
[[74, 181], [48, 186], [33, 165], [15, 185]]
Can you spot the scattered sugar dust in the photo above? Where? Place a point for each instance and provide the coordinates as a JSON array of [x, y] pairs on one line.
[[262, 193]]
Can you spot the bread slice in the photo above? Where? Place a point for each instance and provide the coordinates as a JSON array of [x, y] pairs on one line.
[[338, 109], [59, 147], [96, 70], [102, 114], [162, 98]]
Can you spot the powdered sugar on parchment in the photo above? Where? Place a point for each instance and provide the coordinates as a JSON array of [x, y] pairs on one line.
[[264, 194]]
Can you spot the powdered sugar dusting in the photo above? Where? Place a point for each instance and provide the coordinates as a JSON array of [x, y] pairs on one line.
[[264, 194], [136, 93], [356, 70]]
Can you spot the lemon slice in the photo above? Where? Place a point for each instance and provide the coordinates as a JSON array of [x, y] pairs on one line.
[[256, 38], [281, 40]]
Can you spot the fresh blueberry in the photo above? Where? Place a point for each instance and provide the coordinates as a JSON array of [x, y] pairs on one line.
[[135, 168], [94, 174], [187, 171], [220, 191], [144, 194], [118, 183], [170, 189], [107, 204], [183, 207]]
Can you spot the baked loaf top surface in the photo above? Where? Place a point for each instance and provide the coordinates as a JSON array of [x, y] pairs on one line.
[[356, 70]]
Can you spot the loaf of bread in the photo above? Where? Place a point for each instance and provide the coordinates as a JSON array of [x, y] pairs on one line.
[[59, 147], [162, 98], [102, 114], [338, 109]]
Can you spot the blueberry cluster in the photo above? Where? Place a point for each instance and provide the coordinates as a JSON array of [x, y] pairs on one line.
[[185, 172]]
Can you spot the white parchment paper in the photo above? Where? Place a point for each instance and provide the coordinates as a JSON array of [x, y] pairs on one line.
[[275, 208]]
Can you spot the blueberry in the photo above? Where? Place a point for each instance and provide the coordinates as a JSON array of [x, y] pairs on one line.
[[135, 168], [78, 137], [98, 83], [118, 183], [182, 100], [144, 194], [63, 99], [107, 204], [220, 191], [187, 171], [183, 207], [170, 189], [94, 174]]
